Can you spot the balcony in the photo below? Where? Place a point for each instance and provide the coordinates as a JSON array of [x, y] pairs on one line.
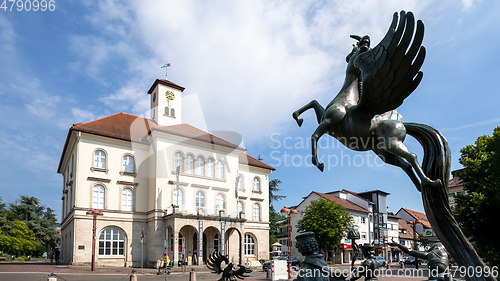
[[204, 211]]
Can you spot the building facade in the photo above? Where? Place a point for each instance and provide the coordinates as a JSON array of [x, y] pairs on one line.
[[162, 185], [361, 218]]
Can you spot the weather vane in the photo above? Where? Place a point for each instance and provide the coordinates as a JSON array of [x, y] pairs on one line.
[[167, 64]]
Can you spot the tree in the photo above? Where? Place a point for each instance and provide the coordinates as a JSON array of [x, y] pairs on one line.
[[477, 210], [273, 215], [40, 219], [15, 236], [328, 220]]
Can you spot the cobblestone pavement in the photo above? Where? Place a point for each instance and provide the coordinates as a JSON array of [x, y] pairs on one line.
[[40, 272]]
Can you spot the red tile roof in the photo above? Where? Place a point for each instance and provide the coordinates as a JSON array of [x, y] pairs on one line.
[[128, 127], [249, 160], [419, 216], [391, 215], [455, 181], [403, 225], [166, 83], [348, 205]]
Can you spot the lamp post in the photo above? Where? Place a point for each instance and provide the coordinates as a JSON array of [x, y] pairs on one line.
[[94, 213], [414, 222], [289, 213]]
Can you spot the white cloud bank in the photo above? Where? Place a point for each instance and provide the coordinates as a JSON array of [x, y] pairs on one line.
[[251, 63]]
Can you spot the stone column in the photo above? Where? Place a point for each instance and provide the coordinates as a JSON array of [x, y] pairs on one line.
[[176, 245]]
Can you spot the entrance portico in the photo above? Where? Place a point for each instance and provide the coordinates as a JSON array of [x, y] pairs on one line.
[[219, 234]]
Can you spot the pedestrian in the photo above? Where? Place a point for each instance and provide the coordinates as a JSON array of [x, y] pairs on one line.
[[51, 256], [56, 255]]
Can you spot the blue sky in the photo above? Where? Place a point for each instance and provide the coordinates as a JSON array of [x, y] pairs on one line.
[[246, 66]]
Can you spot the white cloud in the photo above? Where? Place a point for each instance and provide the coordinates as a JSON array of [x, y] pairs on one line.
[[251, 63], [81, 115]]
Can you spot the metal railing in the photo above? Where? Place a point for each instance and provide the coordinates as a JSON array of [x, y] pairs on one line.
[[203, 211]]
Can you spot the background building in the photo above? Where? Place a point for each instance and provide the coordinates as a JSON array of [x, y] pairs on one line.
[[455, 186], [360, 214], [185, 190]]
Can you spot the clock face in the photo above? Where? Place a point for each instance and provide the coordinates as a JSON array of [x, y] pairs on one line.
[[169, 95], [154, 96]]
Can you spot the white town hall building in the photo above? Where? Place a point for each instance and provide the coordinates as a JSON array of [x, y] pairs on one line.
[[186, 190]]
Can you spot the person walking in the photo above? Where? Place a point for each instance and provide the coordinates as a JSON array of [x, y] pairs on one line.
[[57, 253], [51, 256]]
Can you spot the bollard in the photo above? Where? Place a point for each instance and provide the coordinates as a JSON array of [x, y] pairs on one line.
[[268, 275], [192, 275], [133, 276]]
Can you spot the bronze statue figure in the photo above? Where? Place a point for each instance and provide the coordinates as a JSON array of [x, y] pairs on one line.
[[437, 260], [377, 81], [214, 263], [362, 118], [369, 266], [314, 266]]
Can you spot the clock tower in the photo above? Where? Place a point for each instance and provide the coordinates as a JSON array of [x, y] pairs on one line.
[[166, 102]]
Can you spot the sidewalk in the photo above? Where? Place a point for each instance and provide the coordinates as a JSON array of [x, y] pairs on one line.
[[39, 271]]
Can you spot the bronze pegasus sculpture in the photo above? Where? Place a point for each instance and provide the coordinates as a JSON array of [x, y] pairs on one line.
[[377, 81]]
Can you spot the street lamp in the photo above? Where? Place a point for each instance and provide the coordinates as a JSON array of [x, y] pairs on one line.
[[289, 214], [94, 213], [414, 222]]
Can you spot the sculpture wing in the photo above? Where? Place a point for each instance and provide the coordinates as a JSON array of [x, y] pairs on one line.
[[240, 273], [390, 71], [214, 262]]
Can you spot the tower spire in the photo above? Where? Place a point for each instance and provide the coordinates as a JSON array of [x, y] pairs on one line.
[[166, 65]]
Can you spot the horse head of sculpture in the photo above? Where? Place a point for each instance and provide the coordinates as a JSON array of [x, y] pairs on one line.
[[362, 46]]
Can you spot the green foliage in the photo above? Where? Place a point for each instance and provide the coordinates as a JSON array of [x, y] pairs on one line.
[[274, 216], [477, 210], [273, 190], [39, 218], [328, 220], [27, 227], [17, 239]]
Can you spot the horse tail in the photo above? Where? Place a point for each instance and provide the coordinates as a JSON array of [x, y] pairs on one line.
[[436, 165]]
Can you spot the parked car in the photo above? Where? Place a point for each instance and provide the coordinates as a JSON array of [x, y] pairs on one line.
[[381, 261], [295, 260], [411, 260]]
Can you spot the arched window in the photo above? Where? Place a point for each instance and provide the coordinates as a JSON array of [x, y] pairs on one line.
[[179, 161], [210, 167], [99, 159], [216, 243], [167, 111], [256, 212], [256, 184], [240, 182], [249, 245], [111, 242], [127, 199], [220, 169], [172, 112], [189, 164], [178, 197], [200, 166], [219, 203], [98, 197], [128, 164], [200, 200]]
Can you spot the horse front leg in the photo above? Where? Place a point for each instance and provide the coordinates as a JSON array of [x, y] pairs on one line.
[[321, 130], [314, 104]]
